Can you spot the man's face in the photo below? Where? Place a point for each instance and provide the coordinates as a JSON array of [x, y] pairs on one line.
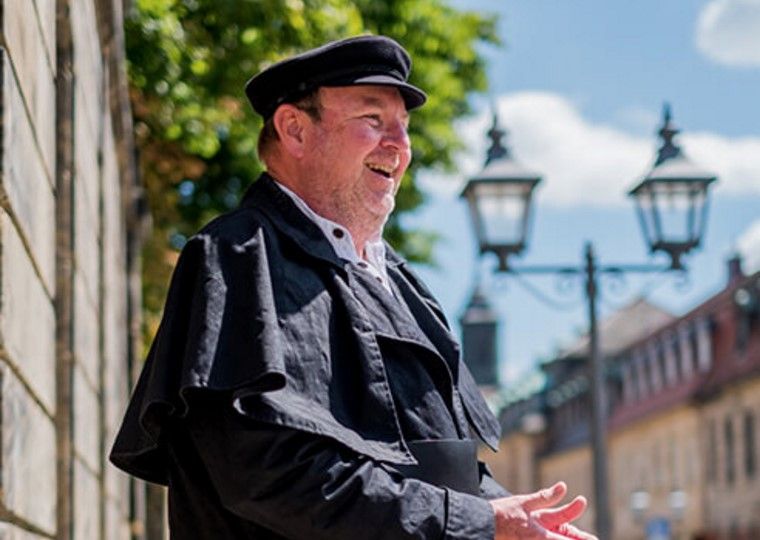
[[356, 155]]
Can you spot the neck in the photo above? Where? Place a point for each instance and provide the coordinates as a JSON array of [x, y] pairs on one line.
[[361, 231]]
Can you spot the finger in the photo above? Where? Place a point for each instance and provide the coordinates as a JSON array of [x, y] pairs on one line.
[[552, 518], [574, 533], [545, 534], [551, 535], [545, 497]]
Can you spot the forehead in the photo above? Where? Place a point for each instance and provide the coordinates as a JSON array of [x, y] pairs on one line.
[[346, 97]]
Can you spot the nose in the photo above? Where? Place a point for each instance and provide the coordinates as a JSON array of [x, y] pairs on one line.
[[396, 136]]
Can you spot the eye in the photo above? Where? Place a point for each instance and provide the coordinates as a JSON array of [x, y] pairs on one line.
[[374, 119]]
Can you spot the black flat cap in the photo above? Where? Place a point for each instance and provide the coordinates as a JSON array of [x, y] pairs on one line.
[[347, 62]]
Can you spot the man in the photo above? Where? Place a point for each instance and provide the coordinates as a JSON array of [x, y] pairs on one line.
[[303, 383]]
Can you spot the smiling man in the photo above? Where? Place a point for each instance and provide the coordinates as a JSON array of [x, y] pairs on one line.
[[303, 383]]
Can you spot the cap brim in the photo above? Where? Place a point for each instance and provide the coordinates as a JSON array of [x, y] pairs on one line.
[[413, 96]]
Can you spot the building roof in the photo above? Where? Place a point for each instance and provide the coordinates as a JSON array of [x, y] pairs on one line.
[[528, 385], [621, 329]]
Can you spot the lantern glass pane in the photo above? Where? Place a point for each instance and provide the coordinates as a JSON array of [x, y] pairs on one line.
[[646, 215], [675, 210], [502, 210]]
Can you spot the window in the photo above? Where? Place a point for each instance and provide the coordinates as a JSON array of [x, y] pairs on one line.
[[655, 372], [629, 381], [728, 433], [673, 464], [750, 464], [694, 346], [662, 366], [712, 452], [685, 350], [671, 355], [657, 465], [642, 374], [704, 344]]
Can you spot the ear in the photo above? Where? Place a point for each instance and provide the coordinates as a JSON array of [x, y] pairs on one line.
[[290, 123]]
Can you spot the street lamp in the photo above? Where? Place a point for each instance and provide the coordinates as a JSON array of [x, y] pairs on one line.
[[671, 200], [499, 199], [672, 207]]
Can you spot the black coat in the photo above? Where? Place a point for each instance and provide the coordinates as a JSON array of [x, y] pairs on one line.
[[285, 387]]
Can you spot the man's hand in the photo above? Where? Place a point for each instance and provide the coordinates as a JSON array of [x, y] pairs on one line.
[[535, 516]]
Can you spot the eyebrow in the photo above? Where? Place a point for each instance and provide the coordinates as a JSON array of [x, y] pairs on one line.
[[373, 101]]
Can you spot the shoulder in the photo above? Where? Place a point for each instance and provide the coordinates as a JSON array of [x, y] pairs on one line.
[[225, 249], [238, 227]]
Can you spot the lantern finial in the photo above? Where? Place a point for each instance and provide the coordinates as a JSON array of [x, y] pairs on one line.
[[496, 134], [667, 133]]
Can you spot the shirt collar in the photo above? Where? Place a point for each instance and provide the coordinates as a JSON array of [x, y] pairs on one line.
[[342, 242]]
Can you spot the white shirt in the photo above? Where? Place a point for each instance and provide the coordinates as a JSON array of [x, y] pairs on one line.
[[343, 244]]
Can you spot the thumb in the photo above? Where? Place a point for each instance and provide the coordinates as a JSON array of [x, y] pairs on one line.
[[545, 497]]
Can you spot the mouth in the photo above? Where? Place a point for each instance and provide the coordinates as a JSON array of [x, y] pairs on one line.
[[383, 169]]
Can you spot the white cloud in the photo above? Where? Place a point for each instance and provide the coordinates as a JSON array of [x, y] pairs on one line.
[[735, 160], [728, 32], [589, 163], [748, 245], [582, 162]]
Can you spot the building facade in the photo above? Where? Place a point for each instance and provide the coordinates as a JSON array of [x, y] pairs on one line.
[[684, 399], [69, 276]]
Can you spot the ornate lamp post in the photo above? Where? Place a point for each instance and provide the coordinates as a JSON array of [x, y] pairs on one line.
[[672, 206]]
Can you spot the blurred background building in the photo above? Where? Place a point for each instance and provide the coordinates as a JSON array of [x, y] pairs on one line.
[[683, 405]]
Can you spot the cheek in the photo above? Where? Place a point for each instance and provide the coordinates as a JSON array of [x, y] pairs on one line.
[[405, 158], [361, 137]]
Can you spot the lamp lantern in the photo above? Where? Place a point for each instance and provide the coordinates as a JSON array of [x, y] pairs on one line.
[[499, 200], [671, 200]]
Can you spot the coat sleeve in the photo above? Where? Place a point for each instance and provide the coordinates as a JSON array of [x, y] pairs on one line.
[[489, 487], [301, 485]]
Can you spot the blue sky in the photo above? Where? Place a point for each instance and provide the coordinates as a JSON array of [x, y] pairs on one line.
[[580, 86]]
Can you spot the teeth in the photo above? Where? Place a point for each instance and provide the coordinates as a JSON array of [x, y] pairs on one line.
[[385, 169]]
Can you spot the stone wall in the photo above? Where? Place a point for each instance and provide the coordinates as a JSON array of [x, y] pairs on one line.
[[67, 242]]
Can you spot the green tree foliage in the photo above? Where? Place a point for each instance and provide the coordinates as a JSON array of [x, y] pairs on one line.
[[189, 60]]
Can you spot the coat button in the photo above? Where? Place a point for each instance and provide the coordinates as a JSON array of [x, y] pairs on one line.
[[338, 233]]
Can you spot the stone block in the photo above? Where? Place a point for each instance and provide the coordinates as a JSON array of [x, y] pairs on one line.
[[87, 176], [86, 420], [115, 316], [35, 67], [46, 14], [116, 377], [116, 393], [26, 180], [29, 455], [86, 241], [27, 317], [12, 532], [87, 505], [113, 218], [117, 523], [86, 347], [88, 66], [117, 489]]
